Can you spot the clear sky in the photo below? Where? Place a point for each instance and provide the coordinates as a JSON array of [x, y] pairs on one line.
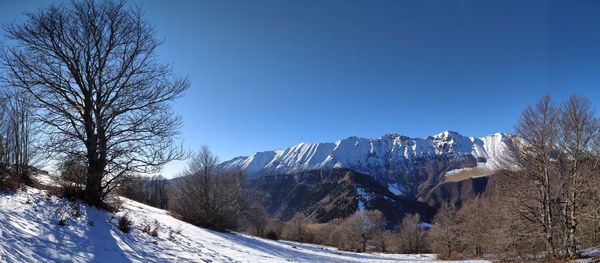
[[269, 74]]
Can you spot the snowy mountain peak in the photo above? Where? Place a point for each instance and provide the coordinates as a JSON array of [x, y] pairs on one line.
[[391, 152], [447, 135], [392, 136]]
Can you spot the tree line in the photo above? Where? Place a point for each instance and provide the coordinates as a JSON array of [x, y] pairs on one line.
[[18, 135]]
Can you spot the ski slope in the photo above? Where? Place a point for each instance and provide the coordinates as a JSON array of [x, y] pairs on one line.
[[29, 232]]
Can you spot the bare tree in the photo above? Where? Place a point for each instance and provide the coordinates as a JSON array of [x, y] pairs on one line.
[[444, 234], [412, 235], [92, 71], [3, 124], [476, 223], [362, 228], [19, 131], [387, 241], [536, 158], [579, 130], [297, 228], [557, 158], [152, 190], [207, 196], [589, 228]]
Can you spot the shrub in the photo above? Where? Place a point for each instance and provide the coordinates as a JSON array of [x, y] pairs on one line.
[[112, 203], [74, 210], [154, 232], [173, 233], [71, 180], [125, 224], [9, 182], [276, 226], [62, 221], [151, 229], [272, 235]]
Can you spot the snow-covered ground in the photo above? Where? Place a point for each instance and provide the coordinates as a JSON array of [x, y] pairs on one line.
[[29, 232], [589, 255]]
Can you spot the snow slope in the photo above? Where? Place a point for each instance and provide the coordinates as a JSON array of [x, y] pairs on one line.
[[372, 156], [29, 232]]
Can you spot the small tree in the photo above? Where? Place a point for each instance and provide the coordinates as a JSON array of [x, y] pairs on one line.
[[257, 220], [386, 241], [475, 223], [207, 196], [72, 178], [444, 234], [412, 235], [296, 228], [361, 228]]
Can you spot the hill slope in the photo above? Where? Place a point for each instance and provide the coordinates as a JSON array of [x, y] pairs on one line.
[[29, 232], [336, 193]]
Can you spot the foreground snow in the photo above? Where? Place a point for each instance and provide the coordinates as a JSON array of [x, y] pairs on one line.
[[29, 232]]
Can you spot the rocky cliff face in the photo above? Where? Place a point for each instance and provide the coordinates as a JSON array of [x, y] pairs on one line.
[[335, 193]]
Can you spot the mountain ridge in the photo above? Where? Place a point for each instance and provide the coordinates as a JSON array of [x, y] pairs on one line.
[[373, 155]]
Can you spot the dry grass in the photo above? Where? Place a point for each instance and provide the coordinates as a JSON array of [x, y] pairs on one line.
[[466, 174]]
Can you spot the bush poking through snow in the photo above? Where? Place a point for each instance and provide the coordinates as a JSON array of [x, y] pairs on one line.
[[125, 223], [154, 232], [112, 203], [62, 221], [173, 233], [151, 229], [72, 211]]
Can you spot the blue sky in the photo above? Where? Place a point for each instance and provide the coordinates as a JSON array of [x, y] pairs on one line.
[[270, 74]]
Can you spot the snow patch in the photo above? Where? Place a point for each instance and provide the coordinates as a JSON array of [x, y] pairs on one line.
[[396, 189]]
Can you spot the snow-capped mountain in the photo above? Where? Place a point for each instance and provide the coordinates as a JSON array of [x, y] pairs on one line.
[[395, 174], [389, 154]]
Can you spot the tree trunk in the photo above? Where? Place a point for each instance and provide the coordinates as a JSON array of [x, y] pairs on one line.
[[93, 186], [547, 212]]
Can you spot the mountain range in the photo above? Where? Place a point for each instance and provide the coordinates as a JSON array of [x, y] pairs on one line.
[[400, 168]]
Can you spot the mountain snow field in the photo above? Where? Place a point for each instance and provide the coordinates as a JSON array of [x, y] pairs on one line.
[[372, 156], [30, 232]]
